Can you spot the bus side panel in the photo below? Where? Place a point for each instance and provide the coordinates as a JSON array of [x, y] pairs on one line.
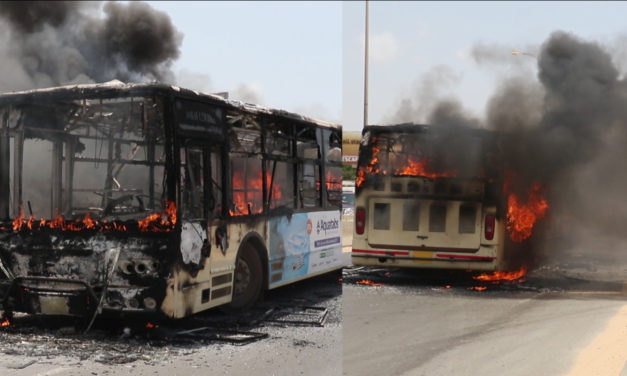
[[209, 283], [304, 244]]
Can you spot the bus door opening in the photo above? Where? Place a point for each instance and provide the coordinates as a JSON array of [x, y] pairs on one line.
[[195, 200]]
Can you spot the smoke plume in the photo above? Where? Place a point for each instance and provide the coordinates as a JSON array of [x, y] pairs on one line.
[[72, 42], [247, 93], [432, 88], [582, 103], [501, 56], [567, 129], [581, 141]]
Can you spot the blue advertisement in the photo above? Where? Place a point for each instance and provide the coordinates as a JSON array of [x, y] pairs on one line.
[[303, 244]]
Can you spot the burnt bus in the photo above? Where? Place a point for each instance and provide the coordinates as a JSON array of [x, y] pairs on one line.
[[430, 197], [152, 199]]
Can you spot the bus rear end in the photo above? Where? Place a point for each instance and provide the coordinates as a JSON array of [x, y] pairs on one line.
[[428, 197]]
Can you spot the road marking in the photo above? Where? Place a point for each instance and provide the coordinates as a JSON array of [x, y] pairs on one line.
[[605, 354]]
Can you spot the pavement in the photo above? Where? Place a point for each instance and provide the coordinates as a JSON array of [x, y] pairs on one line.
[[414, 325]]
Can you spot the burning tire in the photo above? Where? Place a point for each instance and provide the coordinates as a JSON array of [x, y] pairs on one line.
[[248, 278]]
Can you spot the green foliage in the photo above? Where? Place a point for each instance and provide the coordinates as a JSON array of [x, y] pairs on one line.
[[348, 172]]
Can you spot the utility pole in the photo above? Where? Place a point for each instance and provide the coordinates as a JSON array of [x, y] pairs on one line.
[[366, 71]]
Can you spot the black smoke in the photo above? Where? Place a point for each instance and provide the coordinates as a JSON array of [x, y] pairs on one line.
[[566, 128], [55, 43], [29, 16], [579, 146], [450, 113], [580, 102]]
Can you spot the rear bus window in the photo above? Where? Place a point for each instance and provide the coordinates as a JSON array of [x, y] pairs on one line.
[[437, 218], [381, 216], [411, 217], [467, 219]]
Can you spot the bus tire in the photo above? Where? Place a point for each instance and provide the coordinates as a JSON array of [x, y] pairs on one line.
[[247, 279]]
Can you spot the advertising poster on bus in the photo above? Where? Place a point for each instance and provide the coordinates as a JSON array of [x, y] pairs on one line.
[[305, 243]]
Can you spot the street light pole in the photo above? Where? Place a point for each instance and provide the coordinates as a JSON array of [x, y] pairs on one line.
[[366, 71]]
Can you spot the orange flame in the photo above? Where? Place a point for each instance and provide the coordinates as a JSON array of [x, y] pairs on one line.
[[334, 182], [360, 178], [57, 222], [150, 325], [248, 198], [522, 217], [159, 222], [369, 283], [29, 223], [75, 225], [154, 222], [5, 322], [477, 288], [85, 223], [19, 220], [119, 227], [242, 205], [410, 168], [106, 226], [502, 276], [372, 168], [421, 168], [89, 223]]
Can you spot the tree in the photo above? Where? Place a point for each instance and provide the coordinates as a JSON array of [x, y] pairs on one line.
[[348, 172]]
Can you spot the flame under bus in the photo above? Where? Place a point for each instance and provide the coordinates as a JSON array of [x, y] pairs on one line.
[[149, 199], [428, 197]]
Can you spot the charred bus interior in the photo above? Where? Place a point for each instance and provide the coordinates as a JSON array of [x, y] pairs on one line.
[[84, 201], [140, 198]]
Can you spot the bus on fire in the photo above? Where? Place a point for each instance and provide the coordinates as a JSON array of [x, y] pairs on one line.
[[437, 197], [145, 198]]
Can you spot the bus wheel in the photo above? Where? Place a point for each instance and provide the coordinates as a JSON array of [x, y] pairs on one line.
[[248, 278]]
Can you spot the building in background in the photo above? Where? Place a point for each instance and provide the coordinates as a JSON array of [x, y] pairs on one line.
[[350, 148]]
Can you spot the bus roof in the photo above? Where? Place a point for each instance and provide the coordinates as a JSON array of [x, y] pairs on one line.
[[418, 128], [118, 88]]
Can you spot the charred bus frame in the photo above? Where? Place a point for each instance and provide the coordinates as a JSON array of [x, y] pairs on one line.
[[159, 200]]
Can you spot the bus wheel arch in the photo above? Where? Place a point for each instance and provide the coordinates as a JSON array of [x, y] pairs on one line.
[[249, 277]]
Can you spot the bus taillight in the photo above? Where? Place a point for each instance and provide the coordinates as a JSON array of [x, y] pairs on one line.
[[489, 227], [360, 220]]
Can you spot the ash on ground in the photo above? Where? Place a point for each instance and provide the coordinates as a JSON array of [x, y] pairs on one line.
[[294, 311]]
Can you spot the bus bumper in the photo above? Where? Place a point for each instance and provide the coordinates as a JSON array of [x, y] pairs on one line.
[[483, 260]]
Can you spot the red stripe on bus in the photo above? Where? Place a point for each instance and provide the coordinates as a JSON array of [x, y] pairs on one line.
[[465, 257], [381, 252]]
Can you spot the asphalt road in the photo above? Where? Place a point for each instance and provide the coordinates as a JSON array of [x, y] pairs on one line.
[[419, 323], [31, 347]]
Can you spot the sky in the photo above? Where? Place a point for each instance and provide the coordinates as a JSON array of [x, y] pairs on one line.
[[285, 55], [418, 44], [308, 57]]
